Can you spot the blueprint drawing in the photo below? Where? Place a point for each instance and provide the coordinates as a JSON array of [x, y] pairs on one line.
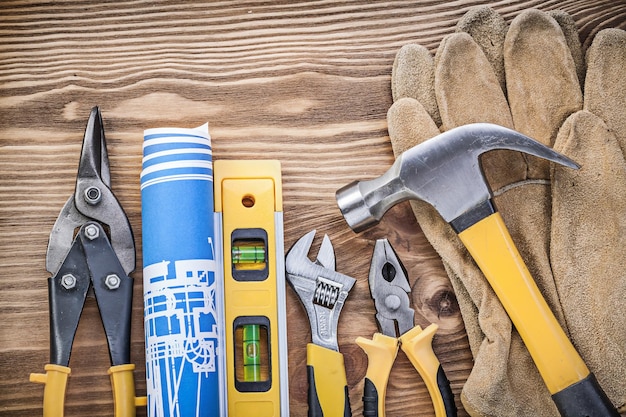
[[181, 321]]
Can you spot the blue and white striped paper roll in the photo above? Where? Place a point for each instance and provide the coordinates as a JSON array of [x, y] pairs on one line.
[[181, 319]]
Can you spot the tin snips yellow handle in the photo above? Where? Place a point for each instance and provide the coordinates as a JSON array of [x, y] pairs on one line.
[[55, 381], [123, 385]]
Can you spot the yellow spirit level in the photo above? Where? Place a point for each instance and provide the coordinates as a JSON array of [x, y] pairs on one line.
[[249, 223]]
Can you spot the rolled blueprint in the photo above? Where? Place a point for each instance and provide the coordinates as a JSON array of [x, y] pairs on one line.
[[181, 318]]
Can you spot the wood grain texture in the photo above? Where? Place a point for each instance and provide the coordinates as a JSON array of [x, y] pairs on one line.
[[303, 82]]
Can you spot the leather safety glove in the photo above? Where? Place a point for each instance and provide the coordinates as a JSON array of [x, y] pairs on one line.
[[569, 226]]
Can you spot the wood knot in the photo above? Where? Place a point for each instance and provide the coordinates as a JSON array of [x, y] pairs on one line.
[[356, 361], [434, 298], [443, 303]]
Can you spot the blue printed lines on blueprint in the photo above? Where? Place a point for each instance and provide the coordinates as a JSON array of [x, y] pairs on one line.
[[176, 154]]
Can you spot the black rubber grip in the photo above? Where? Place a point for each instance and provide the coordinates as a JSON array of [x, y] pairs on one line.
[[585, 398], [370, 399], [315, 408], [347, 411], [370, 396], [446, 393]]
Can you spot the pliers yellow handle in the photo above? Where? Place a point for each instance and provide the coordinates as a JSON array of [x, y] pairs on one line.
[[55, 382], [417, 345], [381, 354]]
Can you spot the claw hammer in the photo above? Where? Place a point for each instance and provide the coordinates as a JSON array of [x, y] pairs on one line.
[[446, 173]]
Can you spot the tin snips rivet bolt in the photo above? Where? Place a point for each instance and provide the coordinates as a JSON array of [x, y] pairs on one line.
[[92, 232], [112, 281], [68, 281], [93, 195]]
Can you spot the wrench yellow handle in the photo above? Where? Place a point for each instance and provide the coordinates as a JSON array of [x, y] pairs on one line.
[[417, 344], [381, 353], [491, 246], [55, 381], [328, 385]]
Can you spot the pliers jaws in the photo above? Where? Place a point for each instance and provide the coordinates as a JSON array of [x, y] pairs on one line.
[[389, 287]]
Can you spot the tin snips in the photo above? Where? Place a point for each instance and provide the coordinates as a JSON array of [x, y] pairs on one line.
[[91, 245]]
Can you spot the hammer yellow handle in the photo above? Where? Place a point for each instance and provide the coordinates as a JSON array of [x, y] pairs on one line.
[[328, 385], [491, 246]]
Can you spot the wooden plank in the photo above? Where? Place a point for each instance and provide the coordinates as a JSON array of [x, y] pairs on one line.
[[303, 82]]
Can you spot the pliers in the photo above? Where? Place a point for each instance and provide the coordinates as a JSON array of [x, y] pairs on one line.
[[389, 287], [91, 245], [322, 292]]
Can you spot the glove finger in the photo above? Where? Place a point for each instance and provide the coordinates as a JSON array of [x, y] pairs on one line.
[[468, 91], [488, 30], [409, 124], [413, 75], [568, 27], [542, 84], [543, 90], [588, 266], [605, 93], [466, 87], [587, 246]]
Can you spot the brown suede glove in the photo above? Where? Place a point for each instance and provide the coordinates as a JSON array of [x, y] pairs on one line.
[[570, 227]]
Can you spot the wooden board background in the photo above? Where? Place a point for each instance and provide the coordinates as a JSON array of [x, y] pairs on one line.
[[303, 82]]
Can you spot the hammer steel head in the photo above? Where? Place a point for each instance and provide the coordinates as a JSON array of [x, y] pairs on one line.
[[444, 171]]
